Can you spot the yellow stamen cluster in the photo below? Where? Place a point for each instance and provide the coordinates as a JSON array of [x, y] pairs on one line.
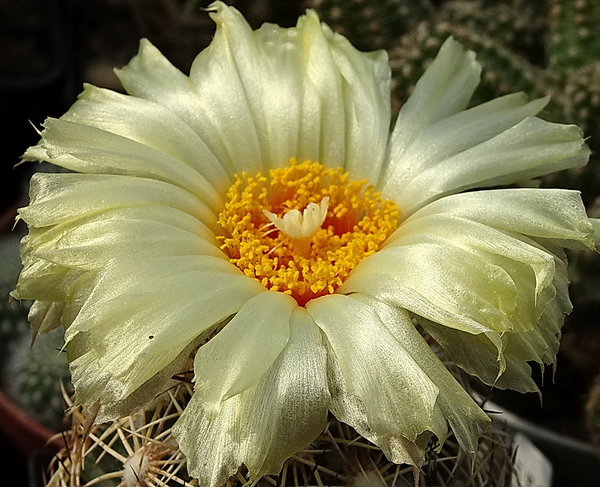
[[358, 221]]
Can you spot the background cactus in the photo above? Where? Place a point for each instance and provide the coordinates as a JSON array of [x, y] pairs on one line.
[[574, 36], [13, 315], [373, 24], [31, 375]]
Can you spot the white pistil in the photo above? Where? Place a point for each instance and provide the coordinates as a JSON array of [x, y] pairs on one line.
[[301, 225]]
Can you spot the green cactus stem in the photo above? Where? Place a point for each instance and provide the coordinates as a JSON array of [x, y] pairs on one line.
[[29, 375], [574, 34], [372, 24]]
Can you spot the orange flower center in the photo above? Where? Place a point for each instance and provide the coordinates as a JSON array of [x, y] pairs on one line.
[[302, 229]]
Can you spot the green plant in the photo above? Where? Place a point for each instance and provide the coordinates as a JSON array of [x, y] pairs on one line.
[[31, 374]]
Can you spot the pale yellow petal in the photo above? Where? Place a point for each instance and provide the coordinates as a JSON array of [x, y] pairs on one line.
[[398, 396], [264, 425], [254, 337]]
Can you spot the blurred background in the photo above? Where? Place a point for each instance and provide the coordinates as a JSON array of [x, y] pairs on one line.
[[49, 48]]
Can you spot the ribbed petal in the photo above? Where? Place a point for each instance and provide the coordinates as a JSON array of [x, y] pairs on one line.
[[254, 337], [43, 280], [444, 89], [87, 149], [450, 230], [90, 245], [58, 198], [150, 124], [398, 396], [365, 87], [146, 392], [142, 314], [267, 423], [149, 75], [530, 267], [292, 401], [477, 355], [446, 284], [530, 149], [348, 407], [445, 138], [229, 126], [556, 215], [303, 92], [506, 366], [464, 416]]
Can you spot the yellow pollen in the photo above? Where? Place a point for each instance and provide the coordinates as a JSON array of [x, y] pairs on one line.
[[302, 229]]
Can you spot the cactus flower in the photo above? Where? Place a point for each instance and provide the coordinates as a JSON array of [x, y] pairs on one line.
[[260, 214]]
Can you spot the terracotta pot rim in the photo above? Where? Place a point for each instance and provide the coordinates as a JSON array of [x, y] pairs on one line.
[[26, 433]]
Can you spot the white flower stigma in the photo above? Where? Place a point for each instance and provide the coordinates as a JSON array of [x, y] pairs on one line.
[[301, 225]]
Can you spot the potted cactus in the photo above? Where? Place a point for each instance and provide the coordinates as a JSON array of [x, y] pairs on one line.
[[140, 447]]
